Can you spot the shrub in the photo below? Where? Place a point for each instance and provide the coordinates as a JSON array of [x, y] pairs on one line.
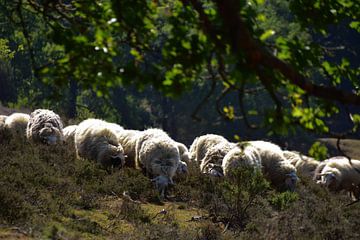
[[235, 196]]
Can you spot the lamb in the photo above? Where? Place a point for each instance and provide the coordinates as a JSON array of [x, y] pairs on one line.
[[97, 140], [16, 124], [158, 156], [127, 138], [338, 174], [279, 171], [209, 151], [45, 127], [242, 155], [305, 166]]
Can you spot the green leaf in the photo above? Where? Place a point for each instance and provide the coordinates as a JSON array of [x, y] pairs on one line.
[[267, 34]]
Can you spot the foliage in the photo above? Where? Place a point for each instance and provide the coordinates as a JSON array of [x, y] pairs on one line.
[[318, 151], [284, 200], [174, 46], [238, 194]]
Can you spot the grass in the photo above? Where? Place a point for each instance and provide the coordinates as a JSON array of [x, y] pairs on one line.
[[46, 193]]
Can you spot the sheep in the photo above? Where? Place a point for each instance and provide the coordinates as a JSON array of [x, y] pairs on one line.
[[279, 171], [45, 127], [69, 133], [158, 156], [127, 138], [16, 124], [209, 151], [201, 144], [184, 158], [97, 140], [305, 166], [2, 126], [2, 122], [339, 174], [242, 155], [2, 119]]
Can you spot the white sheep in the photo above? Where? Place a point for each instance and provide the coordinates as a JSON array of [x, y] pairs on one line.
[[339, 173], [69, 133], [201, 144], [2, 126], [127, 138], [45, 126], [305, 166], [97, 140], [16, 124], [209, 151], [279, 171], [242, 155], [184, 158], [158, 156]]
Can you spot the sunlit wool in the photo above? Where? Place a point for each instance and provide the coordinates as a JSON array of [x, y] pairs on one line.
[[339, 174], [96, 140], [127, 138], [209, 151], [45, 126], [276, 168], [243, 154], [69, 133], [305, 166], [184, 158], [16, 124], [158, 156]]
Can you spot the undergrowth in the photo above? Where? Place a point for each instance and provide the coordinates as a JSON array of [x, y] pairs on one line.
[[48, 193]]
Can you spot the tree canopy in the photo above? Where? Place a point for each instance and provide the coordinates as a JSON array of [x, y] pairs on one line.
[[290, 63]]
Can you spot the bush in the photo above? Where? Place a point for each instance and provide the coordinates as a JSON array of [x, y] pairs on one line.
[[235, 196]]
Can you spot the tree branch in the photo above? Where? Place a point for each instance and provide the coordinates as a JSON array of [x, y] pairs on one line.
[[242, 43], [206, 98]]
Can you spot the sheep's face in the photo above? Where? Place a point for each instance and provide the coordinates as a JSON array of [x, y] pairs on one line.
[[290, 181], [182, 168], [162, 183], [113, 156], [329, 180], [50, 135], [213, 170], [164, 166]]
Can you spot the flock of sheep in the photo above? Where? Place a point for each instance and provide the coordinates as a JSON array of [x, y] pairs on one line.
[[160, 157]]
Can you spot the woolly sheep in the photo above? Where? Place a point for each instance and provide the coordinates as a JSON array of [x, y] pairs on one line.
[[16, 125], [2, 126], [45, 126], [209, 151], [201, 144], [184, 158], [96, 139], [127, 139], [338, 174], [69, 133], [158, 156], [242, 155], [305, 166], [279, 171], [2, 121]]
